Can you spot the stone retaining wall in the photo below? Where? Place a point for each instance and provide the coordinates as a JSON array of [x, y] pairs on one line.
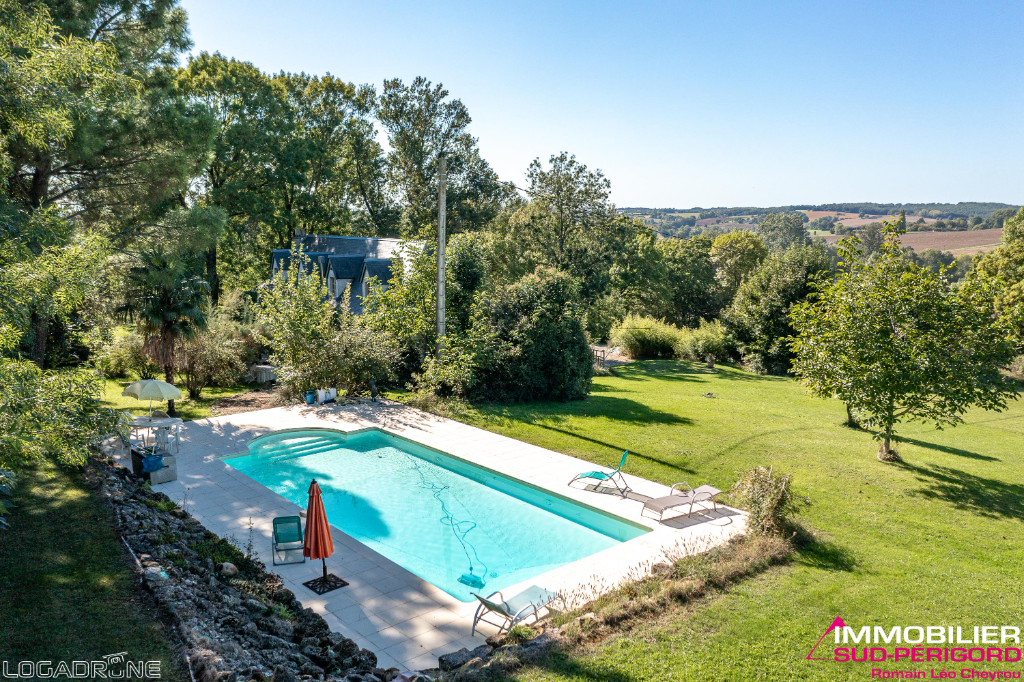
[[233, 626]]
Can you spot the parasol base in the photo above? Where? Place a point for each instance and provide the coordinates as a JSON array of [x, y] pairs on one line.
[[325, 584]]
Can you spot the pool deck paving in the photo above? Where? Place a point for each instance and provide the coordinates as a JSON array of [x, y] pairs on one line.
[[405, 620]]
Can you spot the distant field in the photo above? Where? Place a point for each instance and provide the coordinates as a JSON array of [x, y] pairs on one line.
[[727, 226], [851, 219], [960, 243], [814, 215], [722, 222]]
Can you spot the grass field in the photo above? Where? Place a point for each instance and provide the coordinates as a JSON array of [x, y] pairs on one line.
[[934, 540], [186, 409], [66, 593]]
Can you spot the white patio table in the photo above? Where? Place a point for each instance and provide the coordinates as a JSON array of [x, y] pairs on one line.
[[162, 426]]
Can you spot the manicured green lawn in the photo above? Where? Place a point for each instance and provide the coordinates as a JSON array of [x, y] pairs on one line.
[[186, 409], [66, 593], [934, 540]]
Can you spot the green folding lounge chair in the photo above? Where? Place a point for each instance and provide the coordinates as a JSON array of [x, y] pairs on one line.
[[287, 540], [527, 603], [615, 477]]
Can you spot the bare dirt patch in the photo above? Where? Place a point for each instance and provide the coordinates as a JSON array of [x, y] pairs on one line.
[[977, 240], [247, 401], [613, 356], [853, 220], [969, 241]]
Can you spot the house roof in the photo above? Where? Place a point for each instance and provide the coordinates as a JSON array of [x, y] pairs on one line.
[[281, 259], [379, 268], [320, 259], [368, 247], [346, 267]]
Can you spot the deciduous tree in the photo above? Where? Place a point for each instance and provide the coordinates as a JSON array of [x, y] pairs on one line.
[[736, 254], [898, 343], [759, 313], [423, 126], [780, 231]]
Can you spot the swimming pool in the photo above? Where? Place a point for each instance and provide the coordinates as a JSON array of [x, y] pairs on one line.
[[458, 526]]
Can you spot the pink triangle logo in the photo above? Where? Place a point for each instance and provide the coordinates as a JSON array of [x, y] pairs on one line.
[[837, 623]]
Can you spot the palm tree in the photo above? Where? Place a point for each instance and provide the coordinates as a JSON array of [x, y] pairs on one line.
[[167, 301]]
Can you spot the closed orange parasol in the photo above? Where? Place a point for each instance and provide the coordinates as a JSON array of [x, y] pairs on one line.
[[317, 543]]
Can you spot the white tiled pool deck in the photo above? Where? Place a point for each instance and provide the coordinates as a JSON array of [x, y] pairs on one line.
[[405, 620]]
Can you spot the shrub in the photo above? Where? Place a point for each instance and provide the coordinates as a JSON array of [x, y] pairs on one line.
[[768, 498], [528, 341], [54, 414], [520, 633], [449, 373], [645, 337], [710, 339], [209, 359], [358, 354], [316, 344], [127, 357]]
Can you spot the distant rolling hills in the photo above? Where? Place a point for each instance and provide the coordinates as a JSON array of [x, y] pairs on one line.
[[963, 228]]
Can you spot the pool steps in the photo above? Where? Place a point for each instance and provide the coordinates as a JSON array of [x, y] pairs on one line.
[[299, 448]]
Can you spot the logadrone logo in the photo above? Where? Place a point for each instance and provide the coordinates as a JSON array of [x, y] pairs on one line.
[[110, 667]]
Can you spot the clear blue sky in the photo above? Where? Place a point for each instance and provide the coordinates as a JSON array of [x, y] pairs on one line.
[[683, 104]]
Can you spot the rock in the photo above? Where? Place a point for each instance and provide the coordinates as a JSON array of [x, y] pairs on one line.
[[255, 605], [322, 657], [276, 626], [227, 569], [459, 658], [314, 625], [346, 648], [385, 675], [154, 573], [311, 669], [283, 674], [364, 660], [455, 659], [538, 647], [283, 596]]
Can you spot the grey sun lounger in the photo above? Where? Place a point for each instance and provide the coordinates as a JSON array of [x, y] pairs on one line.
[[683, 498], [515, 609]]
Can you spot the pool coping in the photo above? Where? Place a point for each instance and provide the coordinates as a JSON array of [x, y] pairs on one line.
[[405, 620]]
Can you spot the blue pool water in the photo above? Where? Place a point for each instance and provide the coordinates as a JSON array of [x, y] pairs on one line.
[[438, 516]]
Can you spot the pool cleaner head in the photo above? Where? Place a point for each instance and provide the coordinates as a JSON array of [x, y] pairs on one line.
[[471, 580]]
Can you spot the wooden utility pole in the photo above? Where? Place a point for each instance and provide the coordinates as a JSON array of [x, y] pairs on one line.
[[440, 252]]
